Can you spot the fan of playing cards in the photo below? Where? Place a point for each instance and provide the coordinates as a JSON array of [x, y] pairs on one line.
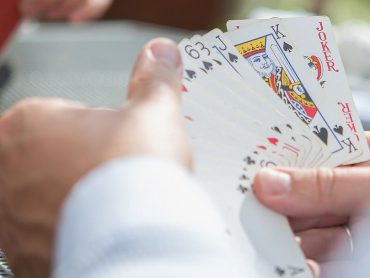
[[267, 93]]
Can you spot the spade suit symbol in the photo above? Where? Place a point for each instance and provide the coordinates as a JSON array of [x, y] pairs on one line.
[[338, 129], [287, 47], [280, 271], [207, 65], [191, 74], [277, 129], [218, 62], [233, 58], [322, 133]]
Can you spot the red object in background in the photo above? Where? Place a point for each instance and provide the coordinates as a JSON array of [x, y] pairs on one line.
[[9, 20]]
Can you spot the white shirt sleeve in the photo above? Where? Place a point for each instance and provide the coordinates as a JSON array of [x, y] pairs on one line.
[[142, 217]]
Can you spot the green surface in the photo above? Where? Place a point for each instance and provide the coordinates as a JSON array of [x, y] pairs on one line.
[[338, 10]]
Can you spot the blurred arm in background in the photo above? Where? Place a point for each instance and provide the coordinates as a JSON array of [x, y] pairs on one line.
[[71, 10], [180, 13], [189, 14]]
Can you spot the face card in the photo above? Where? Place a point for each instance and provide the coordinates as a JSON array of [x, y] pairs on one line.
[[198, 92], [215, 91], [249, 105], [230, 56], [323, 59], [208, 88], [266, 45]]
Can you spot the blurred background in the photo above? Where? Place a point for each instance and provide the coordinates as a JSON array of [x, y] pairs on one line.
[[92, 62], [338, 10]]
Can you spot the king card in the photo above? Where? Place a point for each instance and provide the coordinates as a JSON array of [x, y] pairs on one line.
[[270, 51]]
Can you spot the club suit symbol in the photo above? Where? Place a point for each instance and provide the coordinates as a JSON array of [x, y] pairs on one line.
[[249, 160], [243, 178], [322, 133], [295, 270]]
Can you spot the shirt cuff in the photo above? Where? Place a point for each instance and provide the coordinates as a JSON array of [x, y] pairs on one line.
[[125, 197]]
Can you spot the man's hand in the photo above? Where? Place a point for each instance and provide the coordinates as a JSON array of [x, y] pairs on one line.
[[46, 146], [72, 10], [321, 203]]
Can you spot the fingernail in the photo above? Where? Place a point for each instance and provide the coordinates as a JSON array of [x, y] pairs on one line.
[[166, 52], [274, 182]]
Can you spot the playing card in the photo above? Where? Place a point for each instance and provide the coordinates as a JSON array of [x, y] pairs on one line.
[[225, 131], [321, 52], [323, 58], [262, 96], [227, 53], [208, 86], [236, 114], [269, 49]]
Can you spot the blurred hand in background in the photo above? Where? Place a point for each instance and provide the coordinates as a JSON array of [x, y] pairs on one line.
[[189, 14], [71, 10]]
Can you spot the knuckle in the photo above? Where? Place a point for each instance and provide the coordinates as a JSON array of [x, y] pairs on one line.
[[325, 185], [142, 80], [22, 112], [26, 107]]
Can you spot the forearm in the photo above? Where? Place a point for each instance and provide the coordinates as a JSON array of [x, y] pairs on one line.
[[193, 15]]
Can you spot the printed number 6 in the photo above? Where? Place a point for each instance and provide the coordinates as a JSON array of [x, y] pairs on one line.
[[193, 53]]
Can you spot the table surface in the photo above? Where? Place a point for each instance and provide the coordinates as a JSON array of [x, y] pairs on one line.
[[90, 63]]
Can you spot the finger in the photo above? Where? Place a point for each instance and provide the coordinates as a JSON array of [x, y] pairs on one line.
[[343, 269], [323, 245], [366, 163], [314, 267], [36, 8], [157, 74], [314, 192], [302, 224], [63, 9], [92, 9]]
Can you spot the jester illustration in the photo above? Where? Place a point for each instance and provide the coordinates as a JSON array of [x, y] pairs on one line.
[[315, 64], [280, 80]]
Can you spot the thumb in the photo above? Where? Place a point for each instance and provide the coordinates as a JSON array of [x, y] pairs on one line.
[[157, 74], [314, 192]]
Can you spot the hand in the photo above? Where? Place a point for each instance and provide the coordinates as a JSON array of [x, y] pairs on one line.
[[46, 146], [72, 10], [321, 203]]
